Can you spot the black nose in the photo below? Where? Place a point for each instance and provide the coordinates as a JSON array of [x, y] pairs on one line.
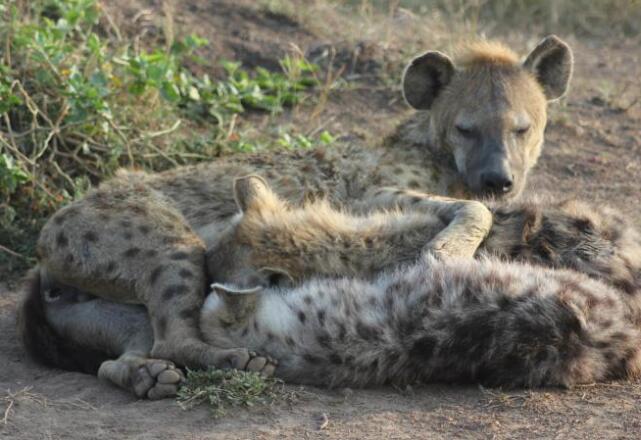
[[497, 183]]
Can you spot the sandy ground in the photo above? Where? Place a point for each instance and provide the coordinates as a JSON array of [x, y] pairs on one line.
[[593, 152]]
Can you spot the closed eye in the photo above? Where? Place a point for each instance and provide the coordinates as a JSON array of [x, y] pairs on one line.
[[521, 131], [467, 132]]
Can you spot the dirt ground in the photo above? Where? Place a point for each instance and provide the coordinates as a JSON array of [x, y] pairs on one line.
[[593, 151]]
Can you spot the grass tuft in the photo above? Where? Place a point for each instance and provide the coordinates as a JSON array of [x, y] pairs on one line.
[[222, 389]]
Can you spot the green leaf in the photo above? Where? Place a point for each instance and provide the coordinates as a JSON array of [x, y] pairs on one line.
[[170, 91]]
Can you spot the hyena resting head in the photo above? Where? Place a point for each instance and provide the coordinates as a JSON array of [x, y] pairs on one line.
[[451, 320], [488, 109]]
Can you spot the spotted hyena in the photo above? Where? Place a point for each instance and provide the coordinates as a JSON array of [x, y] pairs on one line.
[[142, 238], [361, 322]]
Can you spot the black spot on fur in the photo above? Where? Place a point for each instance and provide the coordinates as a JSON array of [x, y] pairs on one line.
[[111, 266], [61, 239], [367, 332], [138, 210], [180, 255], [144, 229], [324, 340], [90, 236], [190, 313], [290, 341], [186, 274], [153, 277], [321, 317], [151, 253], [127, 235], [301, 316], [423, 348], [312, 359], [131, 252], [620, 337], [584, 225], [174, 290], [308, 299]]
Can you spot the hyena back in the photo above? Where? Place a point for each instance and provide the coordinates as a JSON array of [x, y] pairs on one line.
[[499, 324]]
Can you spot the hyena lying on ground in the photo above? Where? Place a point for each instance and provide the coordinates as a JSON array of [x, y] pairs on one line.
[[459, 320], [142, 239]]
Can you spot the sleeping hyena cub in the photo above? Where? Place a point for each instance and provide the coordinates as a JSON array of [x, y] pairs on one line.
[[455, 319]]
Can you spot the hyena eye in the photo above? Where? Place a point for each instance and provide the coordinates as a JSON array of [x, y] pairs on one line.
[[521, 131], [465, 131]]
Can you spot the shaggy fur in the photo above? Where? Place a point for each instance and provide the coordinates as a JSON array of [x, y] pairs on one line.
[[486, 321], [495, 323]]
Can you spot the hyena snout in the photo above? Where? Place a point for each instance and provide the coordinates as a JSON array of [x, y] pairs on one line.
[[497, 182]]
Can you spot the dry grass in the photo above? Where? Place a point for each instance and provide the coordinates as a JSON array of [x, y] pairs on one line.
[[13, 399]]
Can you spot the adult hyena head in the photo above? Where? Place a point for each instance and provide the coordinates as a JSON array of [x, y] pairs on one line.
[[488, 109]]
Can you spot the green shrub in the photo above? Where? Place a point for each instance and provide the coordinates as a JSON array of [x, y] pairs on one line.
[[75, 106]]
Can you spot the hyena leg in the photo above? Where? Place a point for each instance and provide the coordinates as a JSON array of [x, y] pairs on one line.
[[97, 325], [468, 221], [126, 242], [116, 329]]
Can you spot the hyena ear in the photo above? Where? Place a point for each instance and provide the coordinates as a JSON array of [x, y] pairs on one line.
[[250, 189], [239, 302], [277, 277], [425, 77], [551, 62]]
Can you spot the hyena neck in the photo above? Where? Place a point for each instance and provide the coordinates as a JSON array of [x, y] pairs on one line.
[[415, 145], [417, 132]]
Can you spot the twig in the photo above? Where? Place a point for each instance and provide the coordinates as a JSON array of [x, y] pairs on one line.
[[124, 139], [111, 22], [320, 126], [15, 254], [7, 411], [147, 136]]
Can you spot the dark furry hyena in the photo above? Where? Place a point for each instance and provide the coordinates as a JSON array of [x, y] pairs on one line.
[[142, 239], [499, 323]]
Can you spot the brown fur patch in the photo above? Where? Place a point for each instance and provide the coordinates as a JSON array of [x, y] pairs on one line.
[[484, 52]]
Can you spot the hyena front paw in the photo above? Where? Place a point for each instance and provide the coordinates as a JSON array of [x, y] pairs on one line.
[[262, 364], [242, 359], [157, 379]]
